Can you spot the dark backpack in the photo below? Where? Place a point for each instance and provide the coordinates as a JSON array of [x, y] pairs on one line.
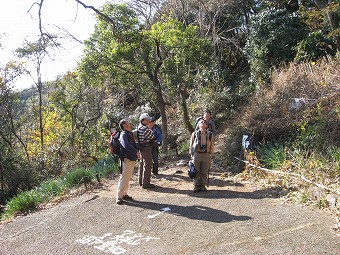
[[192, 172], [114, 143]]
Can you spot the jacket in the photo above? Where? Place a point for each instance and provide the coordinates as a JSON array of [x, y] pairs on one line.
[[128, 145]]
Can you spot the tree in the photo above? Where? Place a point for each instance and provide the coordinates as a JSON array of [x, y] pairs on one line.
[[15, 168], [272, 40], [79, 106], [36, 52], [132, 51]]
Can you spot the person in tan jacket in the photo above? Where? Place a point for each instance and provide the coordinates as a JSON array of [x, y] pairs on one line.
[[202, 152]]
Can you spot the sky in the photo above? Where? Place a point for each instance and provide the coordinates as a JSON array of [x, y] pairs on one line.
[[19, 21]]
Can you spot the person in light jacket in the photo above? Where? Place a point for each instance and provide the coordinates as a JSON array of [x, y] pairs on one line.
[[202, 152]]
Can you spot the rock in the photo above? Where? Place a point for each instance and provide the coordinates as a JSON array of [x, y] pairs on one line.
[[182, 163], [333, 200], [315, 194]]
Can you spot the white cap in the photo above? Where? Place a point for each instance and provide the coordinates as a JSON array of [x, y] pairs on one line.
[[144, 116]]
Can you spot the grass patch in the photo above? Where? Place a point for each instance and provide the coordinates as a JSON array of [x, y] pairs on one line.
[[79, 176], [23, 203], [52, 188], [28, 201]]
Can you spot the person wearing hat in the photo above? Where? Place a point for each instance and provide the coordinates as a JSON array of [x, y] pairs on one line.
[[207, 116], [202, 152], [145, 137], [157, 131]]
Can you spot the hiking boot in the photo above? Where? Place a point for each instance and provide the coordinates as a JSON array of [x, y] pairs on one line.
[[196, 189], [149, 186], [127, 197], [204, 189], [119, 201]]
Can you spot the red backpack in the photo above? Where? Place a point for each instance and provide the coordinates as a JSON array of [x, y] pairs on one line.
[[114, 143]]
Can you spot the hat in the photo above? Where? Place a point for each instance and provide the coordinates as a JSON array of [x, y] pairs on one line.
[[144, 116]]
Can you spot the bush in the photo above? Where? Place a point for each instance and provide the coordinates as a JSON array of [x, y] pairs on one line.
[[106, 166], [300, 93], [314, 47], [273, 154]]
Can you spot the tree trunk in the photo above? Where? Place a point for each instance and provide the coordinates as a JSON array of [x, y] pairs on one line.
[[184, 107], [41, 127], [162, 110]]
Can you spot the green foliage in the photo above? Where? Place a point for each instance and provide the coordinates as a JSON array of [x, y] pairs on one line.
[[79, 176], [273, 154], [315, 46], [23, 203], [28, 201], [271, 42], [52, 188], [106, 165]]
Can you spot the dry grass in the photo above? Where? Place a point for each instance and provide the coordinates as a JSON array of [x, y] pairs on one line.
[[271, 111]]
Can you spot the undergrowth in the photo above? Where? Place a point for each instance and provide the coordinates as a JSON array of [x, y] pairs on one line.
[[29, 201], [298, 121]]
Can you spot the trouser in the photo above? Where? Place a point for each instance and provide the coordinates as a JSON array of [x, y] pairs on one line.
[[146, 153], [202, 162], [124, 180], [155, 159]]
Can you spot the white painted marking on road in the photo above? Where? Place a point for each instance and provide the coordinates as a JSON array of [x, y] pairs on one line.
[[114, 244], [163, 210]]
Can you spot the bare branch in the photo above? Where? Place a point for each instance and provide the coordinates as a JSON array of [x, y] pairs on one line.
[[107, 18]]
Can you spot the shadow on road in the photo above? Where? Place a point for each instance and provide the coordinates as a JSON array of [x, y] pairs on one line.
[[214, 191], [191, 212]]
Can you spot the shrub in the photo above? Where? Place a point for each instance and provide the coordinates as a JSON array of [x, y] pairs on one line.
[[271, 112], [106, 166], [314, 47], [273, 154]]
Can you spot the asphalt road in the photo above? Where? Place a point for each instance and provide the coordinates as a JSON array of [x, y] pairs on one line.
[[228, 219]]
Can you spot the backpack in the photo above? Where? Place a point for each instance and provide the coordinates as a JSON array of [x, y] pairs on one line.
[[114, 143], [192, 172], [160, 131], [198, 135], [197, 139], [159, 128]]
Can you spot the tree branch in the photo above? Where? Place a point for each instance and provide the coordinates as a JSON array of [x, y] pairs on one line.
[[107, 18]]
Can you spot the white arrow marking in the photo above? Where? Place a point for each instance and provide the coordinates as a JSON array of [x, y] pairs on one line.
[[163, 210]]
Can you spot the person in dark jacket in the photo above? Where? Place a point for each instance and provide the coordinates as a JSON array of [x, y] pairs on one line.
[[129, 155], [155, 144]]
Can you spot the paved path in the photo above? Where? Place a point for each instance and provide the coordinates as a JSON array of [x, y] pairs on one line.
[[228, 219]]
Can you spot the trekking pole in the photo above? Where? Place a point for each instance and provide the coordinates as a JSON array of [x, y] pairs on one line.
[[208, 177], [140, 175]]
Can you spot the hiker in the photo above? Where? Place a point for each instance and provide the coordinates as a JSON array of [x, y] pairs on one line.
[[157, 132], [129, 155], [208, 117], [145, 136], [202, 152]]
